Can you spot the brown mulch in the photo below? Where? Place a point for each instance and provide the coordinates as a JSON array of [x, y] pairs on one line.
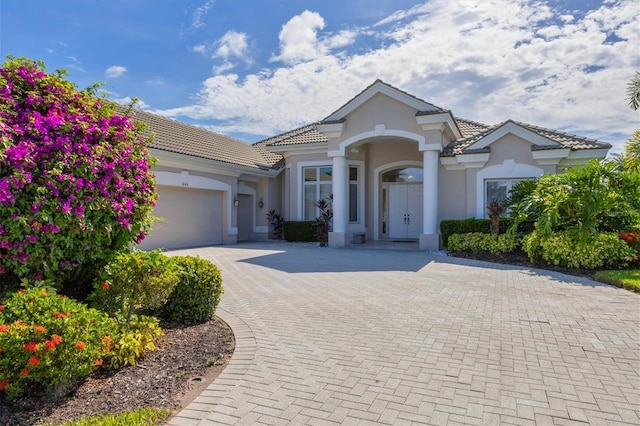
[[186, 361], [521, 259]]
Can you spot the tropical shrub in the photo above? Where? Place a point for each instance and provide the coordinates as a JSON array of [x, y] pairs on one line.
[[133, 281], [596, 197], [276, 221], [481, 243], [323, 222], [131, 340], [572, 249], [49, 340], [195, 298], [75, 183]]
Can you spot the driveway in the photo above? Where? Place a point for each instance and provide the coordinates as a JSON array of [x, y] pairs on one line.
[[349, 336]]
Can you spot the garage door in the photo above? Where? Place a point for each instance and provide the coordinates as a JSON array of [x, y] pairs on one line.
[[191, 217]]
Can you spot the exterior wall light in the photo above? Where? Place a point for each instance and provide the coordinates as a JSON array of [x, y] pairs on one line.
[[236, 202], [261, 203]]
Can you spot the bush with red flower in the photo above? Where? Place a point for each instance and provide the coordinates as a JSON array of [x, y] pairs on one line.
[[75, 182], [633, 239], [48, 342]]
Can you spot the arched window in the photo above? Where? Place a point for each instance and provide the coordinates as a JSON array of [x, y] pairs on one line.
[[403, 174]]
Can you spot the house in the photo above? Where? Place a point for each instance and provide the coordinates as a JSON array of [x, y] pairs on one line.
[[395, 166]]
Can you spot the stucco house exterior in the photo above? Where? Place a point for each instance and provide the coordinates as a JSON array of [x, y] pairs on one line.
[[395, 166]]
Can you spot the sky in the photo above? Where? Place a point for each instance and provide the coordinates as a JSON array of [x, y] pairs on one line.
[[251, 69]]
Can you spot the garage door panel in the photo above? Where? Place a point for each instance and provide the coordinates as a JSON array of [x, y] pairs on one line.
[[190, 217]]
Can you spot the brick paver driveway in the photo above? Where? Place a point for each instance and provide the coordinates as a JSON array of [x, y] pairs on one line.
[[396, 337]]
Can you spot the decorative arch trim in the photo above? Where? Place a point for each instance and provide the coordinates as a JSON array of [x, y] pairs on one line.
[[379, 131]]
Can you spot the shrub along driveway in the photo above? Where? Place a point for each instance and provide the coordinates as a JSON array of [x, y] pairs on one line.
[[380, 336]]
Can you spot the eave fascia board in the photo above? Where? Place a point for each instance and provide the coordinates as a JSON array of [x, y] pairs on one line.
[[584, 155], [331, 130], [308, 148], [431, 122], [550, 157]]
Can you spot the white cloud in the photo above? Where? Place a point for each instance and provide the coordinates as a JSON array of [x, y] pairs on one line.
[[487, 61], [232, 44], [199, 49], [127, 100], [198, 14], [299, 38], [156, 81], [115, 71]]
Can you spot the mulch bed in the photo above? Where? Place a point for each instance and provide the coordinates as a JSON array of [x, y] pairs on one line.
[[187, 360], [521, 259]]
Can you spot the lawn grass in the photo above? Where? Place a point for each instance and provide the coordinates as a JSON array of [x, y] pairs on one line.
[[628, 278], [139, 417]]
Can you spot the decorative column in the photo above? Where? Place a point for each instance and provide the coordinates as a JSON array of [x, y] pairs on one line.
[[338, 237], [430, 238]]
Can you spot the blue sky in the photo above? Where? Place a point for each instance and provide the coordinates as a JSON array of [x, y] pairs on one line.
[[254, 68]]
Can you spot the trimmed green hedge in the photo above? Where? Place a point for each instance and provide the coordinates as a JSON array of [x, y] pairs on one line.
[[478, 242], [300, 231], [466, 226]]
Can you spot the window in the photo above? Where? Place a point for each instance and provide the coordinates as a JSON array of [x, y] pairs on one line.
[[497, 189], [317, 185], [353, 194]]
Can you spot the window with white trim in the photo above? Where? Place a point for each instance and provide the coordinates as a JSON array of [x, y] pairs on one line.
[[497, 189], [317, 185]]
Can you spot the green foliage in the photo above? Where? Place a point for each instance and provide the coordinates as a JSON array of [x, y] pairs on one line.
[[518, 193], [75, 179], [596, 197], [300, 231], [135, 280], [629, 279], [633, 92], [140, 417], [132, 340], [465, 226], [48, 340], [481, 243], [573, 249], [195, 298]]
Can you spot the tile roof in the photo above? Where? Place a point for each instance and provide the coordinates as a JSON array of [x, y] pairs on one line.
[[564, 140], [301, 135], [174, 136]]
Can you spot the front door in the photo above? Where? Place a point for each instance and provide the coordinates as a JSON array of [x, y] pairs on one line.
[[405, 210]]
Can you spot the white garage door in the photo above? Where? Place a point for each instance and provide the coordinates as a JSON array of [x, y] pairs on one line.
[[191, 217]]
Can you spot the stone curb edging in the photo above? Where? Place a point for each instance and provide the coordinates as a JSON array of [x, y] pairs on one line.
[[231, 376]]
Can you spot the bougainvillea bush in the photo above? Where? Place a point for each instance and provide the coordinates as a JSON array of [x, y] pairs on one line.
[[75, 183]]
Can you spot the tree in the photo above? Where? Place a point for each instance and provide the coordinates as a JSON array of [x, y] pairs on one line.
[[630, 159], [633, 92], [75, 182]]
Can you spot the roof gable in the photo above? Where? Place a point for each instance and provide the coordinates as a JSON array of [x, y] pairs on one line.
[[511, 127], [380, 87]]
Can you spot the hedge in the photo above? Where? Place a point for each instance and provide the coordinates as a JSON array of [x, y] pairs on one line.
[[300, 231], [466, 226]]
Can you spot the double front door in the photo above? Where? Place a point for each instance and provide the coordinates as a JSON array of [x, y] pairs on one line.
[[405, 210]]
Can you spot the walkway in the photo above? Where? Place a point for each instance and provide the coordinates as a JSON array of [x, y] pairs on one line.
[[326, 336]]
